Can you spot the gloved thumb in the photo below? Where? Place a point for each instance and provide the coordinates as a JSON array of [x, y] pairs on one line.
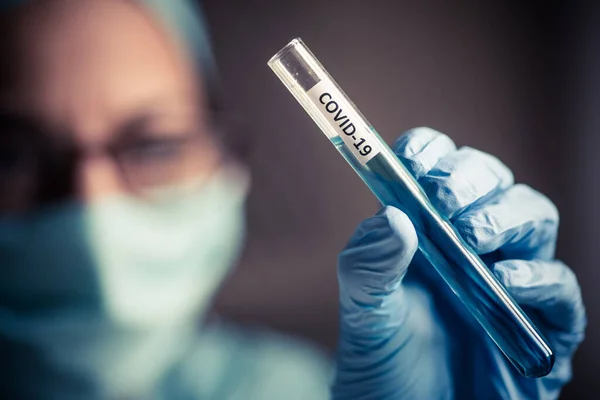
[[390, 344], [370, 271]]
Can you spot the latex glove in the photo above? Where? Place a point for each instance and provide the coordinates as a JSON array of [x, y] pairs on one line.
[[408, 337]]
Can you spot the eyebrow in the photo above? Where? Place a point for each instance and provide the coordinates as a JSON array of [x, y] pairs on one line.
[[21, 121], [135, 126], [150, 112]]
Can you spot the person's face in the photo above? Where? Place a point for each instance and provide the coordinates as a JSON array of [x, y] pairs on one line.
[[94, 100]]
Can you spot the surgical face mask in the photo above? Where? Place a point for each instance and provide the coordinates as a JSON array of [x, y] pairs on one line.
[[104, 289]]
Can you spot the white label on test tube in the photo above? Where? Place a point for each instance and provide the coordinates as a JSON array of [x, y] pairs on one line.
[[340, 115]]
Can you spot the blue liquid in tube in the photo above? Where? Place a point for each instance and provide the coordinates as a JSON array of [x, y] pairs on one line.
[[389, 180]]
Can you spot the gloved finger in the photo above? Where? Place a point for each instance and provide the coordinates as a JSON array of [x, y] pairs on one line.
[[420, 149], [371, 268], [520, 222], [550, 288], [392, 342], [463, 177]]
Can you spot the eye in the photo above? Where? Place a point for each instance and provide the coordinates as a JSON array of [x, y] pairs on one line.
[[154, 150], [9, 160], [13, 158]]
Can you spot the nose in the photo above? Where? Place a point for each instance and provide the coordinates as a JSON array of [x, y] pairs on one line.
[[97, 176]]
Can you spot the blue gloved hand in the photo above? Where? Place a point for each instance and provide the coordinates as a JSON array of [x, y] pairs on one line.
[[404, 335]]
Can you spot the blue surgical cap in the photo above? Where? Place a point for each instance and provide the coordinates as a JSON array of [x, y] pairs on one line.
[[185, 19]]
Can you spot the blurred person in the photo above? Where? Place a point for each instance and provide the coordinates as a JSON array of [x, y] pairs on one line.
[[122, 212]]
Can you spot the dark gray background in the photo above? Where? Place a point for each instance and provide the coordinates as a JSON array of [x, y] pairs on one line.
[[516, 79]]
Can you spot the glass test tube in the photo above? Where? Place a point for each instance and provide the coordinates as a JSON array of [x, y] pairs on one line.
[[386, 176]]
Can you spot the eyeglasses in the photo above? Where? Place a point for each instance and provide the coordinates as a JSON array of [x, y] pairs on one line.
[[37, 168]]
